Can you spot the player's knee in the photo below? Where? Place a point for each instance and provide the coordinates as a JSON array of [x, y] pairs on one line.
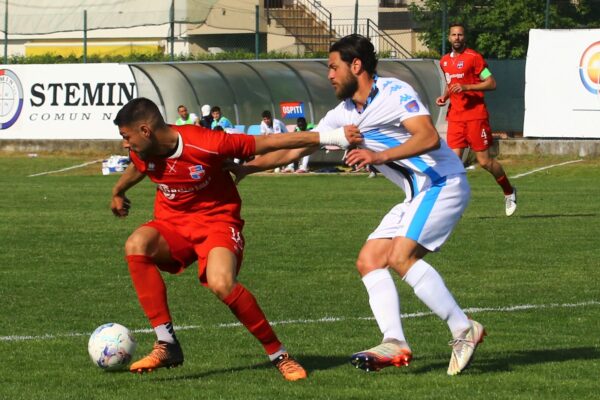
[[364, 266], [221, 287], [137, 245], [486, 163], [361, 267]]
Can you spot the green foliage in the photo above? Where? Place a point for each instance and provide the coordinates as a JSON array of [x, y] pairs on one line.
[[500, 28], [427, 54], [157, 57]]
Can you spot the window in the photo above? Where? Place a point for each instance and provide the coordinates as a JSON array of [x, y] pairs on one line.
[[392, 3]]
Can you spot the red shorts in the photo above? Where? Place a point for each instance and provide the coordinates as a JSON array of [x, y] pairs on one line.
[[475, 134], [185, 251]]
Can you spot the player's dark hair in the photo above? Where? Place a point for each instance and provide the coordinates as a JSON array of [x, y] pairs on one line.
[[456, 24], [301, 123], [181, 105], [215, 108], [267, 114], [356, 46], [140, 109]]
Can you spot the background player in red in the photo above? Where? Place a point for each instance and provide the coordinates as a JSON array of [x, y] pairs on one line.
[[467, 77], [196, 217]]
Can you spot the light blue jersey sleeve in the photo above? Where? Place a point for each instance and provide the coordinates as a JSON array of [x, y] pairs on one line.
[[408, 102]]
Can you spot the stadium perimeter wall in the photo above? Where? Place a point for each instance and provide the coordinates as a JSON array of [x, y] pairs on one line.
[[69, 108]]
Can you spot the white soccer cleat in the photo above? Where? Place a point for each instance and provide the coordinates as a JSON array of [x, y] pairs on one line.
[[511, 202], [463, 348], [389, 353]]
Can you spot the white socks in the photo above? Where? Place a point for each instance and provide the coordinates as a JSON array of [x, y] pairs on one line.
[[430, 288], [279, 352], [165, 333], [385, 304]]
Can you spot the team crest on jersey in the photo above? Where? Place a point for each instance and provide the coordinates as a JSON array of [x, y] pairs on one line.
[[151, 166], [197, 171], [412, 106], [460, 64]]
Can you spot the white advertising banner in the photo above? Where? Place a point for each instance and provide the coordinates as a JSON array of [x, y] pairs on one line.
[[63, 101], [562, 84]]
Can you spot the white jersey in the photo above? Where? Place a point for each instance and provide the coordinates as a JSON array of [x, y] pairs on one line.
[[391, 102], [278, 127]]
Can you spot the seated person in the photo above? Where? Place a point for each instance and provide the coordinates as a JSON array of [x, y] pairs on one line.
[[219, 119], [186, 118], [302, 126]]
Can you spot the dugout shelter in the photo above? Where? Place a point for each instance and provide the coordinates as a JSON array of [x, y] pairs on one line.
[[243, 89]]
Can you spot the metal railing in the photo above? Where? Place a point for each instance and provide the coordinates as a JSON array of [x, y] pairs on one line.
[[313, 7], [385, 44], [307, 20]]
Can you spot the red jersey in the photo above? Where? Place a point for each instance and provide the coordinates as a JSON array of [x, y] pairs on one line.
[[464, 68], [192, 180]]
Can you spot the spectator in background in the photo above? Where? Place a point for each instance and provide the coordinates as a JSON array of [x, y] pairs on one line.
[[207, 119], [269, 126], [219, 119], [185, 118], [301, 126]]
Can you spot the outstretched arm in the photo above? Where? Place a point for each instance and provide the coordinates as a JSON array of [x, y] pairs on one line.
[[119, 203], [342, 137], [275, 159], [287, 147]]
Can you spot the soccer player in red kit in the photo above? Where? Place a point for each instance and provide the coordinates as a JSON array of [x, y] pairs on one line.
[[467, 77], [196, 217]]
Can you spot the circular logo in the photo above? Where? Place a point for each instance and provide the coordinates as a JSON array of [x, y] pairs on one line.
[[589, 68], [11, 98]]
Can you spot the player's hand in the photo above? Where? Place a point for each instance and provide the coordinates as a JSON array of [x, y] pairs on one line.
[[238, 171], [441, 101], [120, 205], [353, 134], [362, 157], [455, 88]]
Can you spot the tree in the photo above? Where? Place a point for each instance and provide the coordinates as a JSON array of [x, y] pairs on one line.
[[500, 28]]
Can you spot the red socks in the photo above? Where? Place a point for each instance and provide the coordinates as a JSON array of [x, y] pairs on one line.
[[505, 185], [152, 294], [244, 306], [150, 288]]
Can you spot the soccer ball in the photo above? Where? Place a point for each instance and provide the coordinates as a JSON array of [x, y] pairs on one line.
[[111, 346]]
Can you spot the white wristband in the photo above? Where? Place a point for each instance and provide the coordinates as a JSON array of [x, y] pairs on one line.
[[336, 137]]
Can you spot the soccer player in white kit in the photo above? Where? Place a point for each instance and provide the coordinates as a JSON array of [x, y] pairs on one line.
[[401, 142]]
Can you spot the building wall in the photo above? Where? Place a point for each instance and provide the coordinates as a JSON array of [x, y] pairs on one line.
[[230, 25]]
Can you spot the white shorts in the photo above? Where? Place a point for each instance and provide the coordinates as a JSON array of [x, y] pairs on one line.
[[430, 216]]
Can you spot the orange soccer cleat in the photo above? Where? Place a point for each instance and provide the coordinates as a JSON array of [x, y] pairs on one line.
[[289, 368], [163, 355]]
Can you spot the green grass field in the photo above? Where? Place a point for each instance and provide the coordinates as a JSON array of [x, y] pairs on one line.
[[62, 273]]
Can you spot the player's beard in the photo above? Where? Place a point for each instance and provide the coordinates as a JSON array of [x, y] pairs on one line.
[[458, 46], [347, 88]]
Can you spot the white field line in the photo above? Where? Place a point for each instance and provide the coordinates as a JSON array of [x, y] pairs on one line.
[[543, 168], [472, 310], [66, 169]]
